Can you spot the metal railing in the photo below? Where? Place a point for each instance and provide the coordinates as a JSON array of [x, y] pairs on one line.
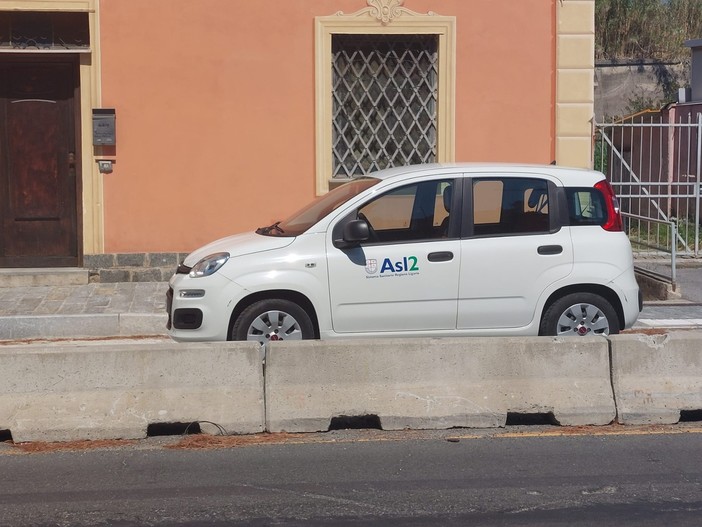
[[653, 161], [655, 245], [687, 233]]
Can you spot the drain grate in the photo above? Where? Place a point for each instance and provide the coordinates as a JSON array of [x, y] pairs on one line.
[[172, 429], [531, 419], [355, 422], [690, 416]]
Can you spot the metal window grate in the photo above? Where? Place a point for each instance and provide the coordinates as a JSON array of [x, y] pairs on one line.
[[385, 90], [44, 31]]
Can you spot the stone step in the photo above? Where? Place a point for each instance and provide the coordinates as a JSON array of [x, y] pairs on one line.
[[132, 274], [43, 276]]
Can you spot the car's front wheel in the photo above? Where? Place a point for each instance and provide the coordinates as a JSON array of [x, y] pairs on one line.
[[273, 319], [580, 315]]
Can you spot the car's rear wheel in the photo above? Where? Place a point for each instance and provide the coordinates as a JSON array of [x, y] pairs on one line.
[[580, 315], [271, 320]]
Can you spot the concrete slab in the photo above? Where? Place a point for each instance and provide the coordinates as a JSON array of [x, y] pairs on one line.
[[82, 325], [50, 326], [31, 277], [142, 323]]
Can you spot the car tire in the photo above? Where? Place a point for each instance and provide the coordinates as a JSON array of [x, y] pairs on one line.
[[580, 314], [273, 319]]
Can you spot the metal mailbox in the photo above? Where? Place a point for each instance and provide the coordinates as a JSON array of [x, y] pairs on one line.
[[104, 129]]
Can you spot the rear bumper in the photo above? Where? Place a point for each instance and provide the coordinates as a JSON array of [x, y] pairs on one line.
[[632, 300]]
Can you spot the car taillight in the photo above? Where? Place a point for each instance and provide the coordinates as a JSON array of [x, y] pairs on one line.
[[614, 216]]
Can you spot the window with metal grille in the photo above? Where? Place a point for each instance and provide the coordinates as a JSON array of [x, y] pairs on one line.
[[384, 101], [44, 30]]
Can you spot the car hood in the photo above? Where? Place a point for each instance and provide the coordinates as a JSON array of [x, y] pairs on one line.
[[239, 245]]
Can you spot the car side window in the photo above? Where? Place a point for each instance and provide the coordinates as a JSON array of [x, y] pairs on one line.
[[510, 206], [586, 206], [413, 212]]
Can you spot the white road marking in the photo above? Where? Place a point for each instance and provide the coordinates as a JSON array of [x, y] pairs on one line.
[[668, 323]]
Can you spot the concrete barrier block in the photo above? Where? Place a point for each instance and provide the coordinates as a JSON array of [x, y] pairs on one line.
[[437, 383], [656, 376], [103, 390]]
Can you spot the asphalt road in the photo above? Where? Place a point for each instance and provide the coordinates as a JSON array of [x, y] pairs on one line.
[[452, 478]]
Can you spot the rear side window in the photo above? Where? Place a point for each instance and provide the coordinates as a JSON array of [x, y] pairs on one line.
[[586, 206], [510, 206]]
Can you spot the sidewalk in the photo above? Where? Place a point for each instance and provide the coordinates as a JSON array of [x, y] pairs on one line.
[[139, 309], [90, 310]]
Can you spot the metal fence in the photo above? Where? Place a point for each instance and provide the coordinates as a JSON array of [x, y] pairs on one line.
[[652, 160], [654, 245]]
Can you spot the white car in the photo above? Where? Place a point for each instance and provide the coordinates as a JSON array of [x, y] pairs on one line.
[[426, 250]]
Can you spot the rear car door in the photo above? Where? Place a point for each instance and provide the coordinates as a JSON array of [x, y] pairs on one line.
[[513, 250], [405, 277]]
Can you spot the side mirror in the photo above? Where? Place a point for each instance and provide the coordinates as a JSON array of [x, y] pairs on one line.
[[355, 232]]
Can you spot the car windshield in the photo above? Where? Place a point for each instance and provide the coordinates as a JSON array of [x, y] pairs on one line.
[[318, 209]]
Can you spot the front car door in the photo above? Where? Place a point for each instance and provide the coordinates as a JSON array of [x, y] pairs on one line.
[[514, 250], [405, 277]]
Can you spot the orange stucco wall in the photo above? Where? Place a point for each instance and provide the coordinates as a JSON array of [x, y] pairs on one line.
[[215, 107]]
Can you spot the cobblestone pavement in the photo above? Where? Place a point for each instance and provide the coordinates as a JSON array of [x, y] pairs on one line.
[[149, 298], [108, 298]]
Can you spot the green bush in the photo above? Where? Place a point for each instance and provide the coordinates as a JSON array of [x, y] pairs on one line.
[[646, 29]]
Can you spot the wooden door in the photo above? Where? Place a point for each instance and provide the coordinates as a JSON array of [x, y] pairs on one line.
[[38, 177]]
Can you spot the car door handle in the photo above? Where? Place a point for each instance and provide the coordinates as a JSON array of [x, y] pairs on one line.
[[550, 249], [440, 256]]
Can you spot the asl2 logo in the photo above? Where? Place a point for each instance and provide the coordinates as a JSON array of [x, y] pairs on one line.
[[408, 264]]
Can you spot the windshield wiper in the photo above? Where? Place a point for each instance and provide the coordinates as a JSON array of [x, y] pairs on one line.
[[267, 230]]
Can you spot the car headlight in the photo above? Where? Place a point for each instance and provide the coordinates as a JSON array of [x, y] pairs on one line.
[[208, 265]]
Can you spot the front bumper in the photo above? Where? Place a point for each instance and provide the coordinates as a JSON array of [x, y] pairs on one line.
[[199, 309], [184, 317]]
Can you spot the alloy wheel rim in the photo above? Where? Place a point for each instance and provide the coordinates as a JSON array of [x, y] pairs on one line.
[[272, 326], [582, 320]]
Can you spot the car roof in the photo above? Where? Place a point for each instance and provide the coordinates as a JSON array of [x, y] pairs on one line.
[[567, 174]]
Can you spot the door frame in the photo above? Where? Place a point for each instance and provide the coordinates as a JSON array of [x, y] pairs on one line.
[[90, 201]]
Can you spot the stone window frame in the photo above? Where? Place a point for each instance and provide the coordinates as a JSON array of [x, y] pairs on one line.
[[382, 18]]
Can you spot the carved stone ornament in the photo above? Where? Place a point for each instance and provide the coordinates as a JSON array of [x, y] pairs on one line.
[[385, 11]]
